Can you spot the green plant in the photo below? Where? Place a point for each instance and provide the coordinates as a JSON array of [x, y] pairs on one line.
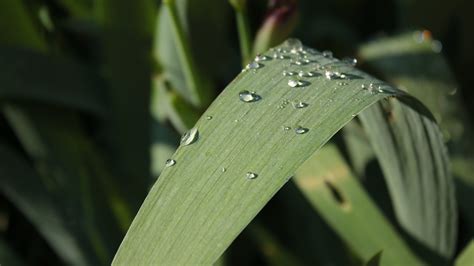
[[342, 167]]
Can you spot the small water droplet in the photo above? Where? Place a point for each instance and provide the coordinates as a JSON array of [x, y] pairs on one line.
[[299, 62], [279, 56], [289, 73], [341, 83], [334, 75], [260, 58], [189, 137], [327, 54], [299, 105], [301, 130], [249, 96], [297, 83], [254, 65], [170, 162], [251, 175], [307, 74], [350, 61], [209, 117], [223, 169], [286, 128]]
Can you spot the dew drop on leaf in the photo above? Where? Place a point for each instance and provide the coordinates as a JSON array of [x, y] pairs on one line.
[[301, 130], [350, 61], [170, 162], [299, 105], [249, 96], [190, 137], [251, 175], [254, 65]]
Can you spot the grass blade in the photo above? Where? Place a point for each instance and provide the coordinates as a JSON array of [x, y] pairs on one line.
[[196, 209], [332, 189]]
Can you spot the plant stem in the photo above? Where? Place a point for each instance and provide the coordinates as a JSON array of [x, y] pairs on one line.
[[186, 58], [245, 38]]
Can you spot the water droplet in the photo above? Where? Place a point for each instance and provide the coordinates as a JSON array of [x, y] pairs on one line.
[[251, 175], [327, 54], [350, 61], [286, 128], [334, 75], [170, 162], [301, 130], [260, 58], [297, 83], [341, 83], [248, 96], [299, 105], [209, 117], [307, 74], [289, 73], [279, 56], [223, 169], [294, 45], [190, 137], [254, 65], [299, 62]]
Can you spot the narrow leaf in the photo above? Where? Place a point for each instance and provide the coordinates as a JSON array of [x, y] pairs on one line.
[[246, 153], [332, 189]]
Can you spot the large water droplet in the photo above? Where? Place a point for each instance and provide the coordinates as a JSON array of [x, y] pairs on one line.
[[301, 130], [248, 96], [190, 137], [170, 162], [299, 105], [251, 175], [294, 45]]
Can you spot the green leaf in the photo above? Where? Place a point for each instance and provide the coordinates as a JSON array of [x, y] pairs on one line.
[[204, 24], [30, 77], [21, 184], [196, 208], [416, 66], [466, 257], [332, 189], [127, 26]]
